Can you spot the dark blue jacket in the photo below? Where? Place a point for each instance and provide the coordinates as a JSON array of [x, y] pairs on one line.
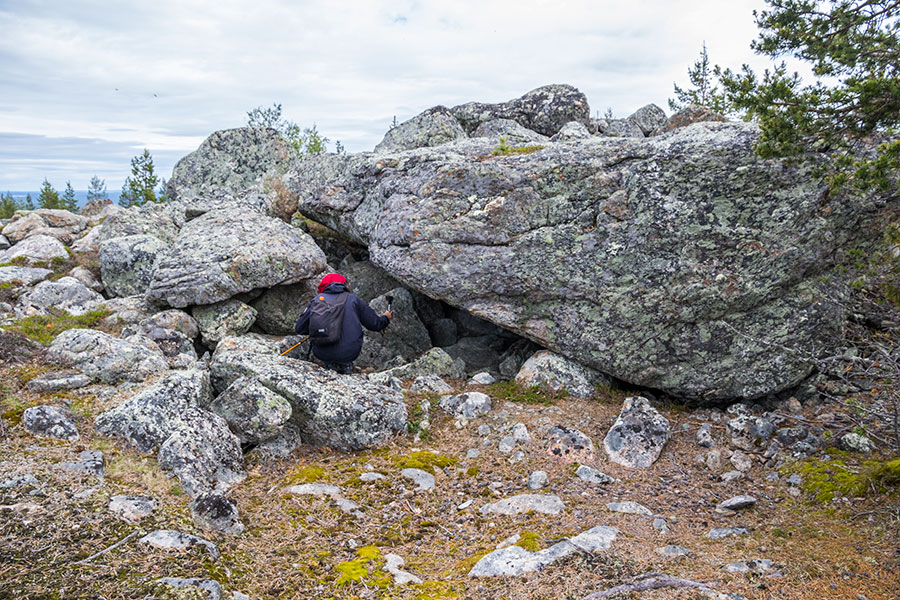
[[356, 315]]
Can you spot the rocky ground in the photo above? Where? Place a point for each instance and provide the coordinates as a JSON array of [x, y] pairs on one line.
[[63, 536]]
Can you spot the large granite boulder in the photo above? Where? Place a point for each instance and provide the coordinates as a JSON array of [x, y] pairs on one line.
[[544, 110], [229, 251], [105, 358], [34, 249], [53, 222], [279, 307], [149, 219], [649, 118], [681, 262], [514, 133], [556, 372], [127, 263], [253, 412], [406, 336], [433, 127], [222, 319], [638, 436], [340, 411], [66, 293], [234, 167]]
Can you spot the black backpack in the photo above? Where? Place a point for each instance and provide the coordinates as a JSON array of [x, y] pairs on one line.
[[326, 320]]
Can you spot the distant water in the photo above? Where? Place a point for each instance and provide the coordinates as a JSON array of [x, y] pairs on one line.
[[80, 196]]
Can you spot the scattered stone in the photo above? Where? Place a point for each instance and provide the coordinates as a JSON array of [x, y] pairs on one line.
[[473, 453], [168, 539], [392, 565], [520, 433], [132, 508], [855, 442], [331, 491], [592, 475], [20, 481], [596, 538], [23, 275], [547, 369], [210, 588], [661, 526], [484, 430], [569, 444], [430, 383], [507, 444], [370, 476], [630, 508], [422, 479], [215, 512], [468, 405], [545, 504], [483, 378], [741, 461], [89, 461], [737, 503], [749, 432], [759, 566], [516, 456], [721, 532], [731, 476], [57, 380], [673, 551], [50, 421], [537, 480], [637, 437], [794, 479], [714, 460], [704, 436]]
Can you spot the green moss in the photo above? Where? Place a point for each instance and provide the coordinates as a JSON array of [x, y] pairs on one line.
[[424, 460], [433, 590], [305, 474], [530, 541], [472, 471], [504, 149], [364, 569], [511, 391], [823, 480], [44, 328]]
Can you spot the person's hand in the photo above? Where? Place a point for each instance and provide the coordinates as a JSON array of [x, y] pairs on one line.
[[389, 314]]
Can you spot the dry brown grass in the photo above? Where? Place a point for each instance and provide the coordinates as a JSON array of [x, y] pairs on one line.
[[292, 545]]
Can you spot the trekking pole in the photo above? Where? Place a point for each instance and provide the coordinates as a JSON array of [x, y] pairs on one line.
[[390, 300], [295, 345]]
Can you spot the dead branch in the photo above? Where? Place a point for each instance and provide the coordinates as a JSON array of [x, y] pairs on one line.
[[105, 550], [650, 581]]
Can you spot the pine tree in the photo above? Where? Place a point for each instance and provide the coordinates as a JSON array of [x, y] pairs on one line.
[[139, 188], [854, 49], [704, 92], [49, 197], [8, 206], [97, 190], [67, 200], [305, 141], [29, 203]]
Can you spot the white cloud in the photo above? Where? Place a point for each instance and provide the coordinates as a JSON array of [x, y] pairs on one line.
[[163, 75]]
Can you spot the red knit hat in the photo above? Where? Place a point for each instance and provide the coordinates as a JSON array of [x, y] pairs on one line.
[[331, 278]]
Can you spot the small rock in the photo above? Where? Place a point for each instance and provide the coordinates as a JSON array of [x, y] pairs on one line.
[[596, 538], [704, 436], [55, 381], [168, 539], [855, 442], [468, 405], [370, 476], [714, 460], [758, 566], [423, 479], [507, 444], [674, 551], [89, 461], [393, 562], [430, 383], [331, 491], [741, 461], [473, 453], [738, 502], [721, 532], [50, 421], [517, 456], [794, 479], [731, 476], [629, 507], [483, 378], [637, 437], [520, 433], [132, 508], [661, 526], [484, 430], [537, 480], [569, 444], [545, 504], [592, 475], [215, 512], [209, 587], [20, 481]]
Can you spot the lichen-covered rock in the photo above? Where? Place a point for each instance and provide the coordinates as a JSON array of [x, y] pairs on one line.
[[66, 293], [203, 454], [468, 405], [90, 462], [340, 411], [406, 336], [223, 319], [624, 128], [23, 275], [127, 311], [105, 358], [556, 372], [368, 281], [571, 131], [663, 261], [637, 437], [87, 278], [569, 444], [279, 307], [688, 116], [434, 362], [544, 110], [514, 505], [215, 512], [649, 118], [178, 349], [127, 263], [149, 417], [193, 588], [37, 248], [430, 384], [50, 421], [226, 252], [57, 380], [132, 508], [253, 412], [55, 222], [432, 127], [514, 133], [174, 319], [233, 163], [149, 219]]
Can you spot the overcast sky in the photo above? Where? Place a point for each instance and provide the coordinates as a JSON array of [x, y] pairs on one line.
[[85, 86]]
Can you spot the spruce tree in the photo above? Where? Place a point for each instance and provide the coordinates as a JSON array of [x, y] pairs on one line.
[[704, 92], [139, 188], [97, 190], [49, 197], [67, 200]]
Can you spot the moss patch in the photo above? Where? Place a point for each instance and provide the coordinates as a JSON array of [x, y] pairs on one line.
[[511, 391], [364, 569], [305, 474], [504, 149], [823, 480], [424, 460], [45, 328]]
